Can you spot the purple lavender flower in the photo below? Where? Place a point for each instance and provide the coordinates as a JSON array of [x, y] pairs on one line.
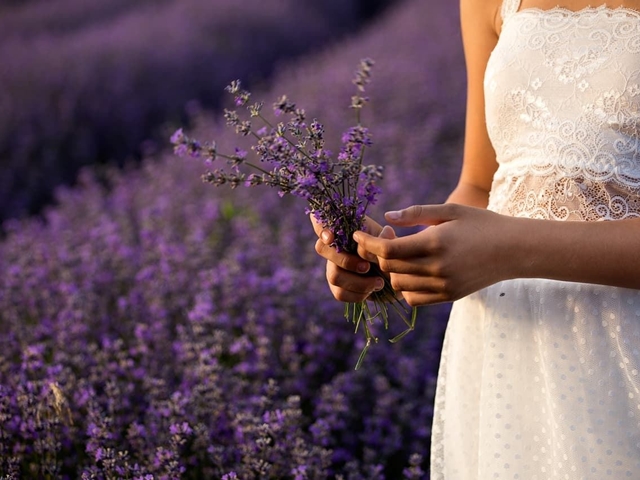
[[338, 191], [292, 158]]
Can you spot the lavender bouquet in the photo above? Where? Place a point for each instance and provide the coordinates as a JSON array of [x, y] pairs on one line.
[[292, 157]]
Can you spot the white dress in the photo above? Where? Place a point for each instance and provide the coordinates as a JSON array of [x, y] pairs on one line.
[[540, 379]]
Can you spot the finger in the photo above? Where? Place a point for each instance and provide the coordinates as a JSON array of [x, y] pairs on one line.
[[388, 233], [423, 215], [317, 227], [416, 299], [422, 267], [391, 248], [327, 237], [323, 233], [346, 261], [350, 287], [371, 226], [346, 296], [414, 283]]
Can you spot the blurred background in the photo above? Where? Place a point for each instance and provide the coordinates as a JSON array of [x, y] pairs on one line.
[[153, 326], [95, 82]]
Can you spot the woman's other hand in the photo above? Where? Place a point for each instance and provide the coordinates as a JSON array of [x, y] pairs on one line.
[[347, 273], [463, 250]]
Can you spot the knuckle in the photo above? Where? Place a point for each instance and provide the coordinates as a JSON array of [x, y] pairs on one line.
[[340, 294], [437, 270], [451, 209], [333, 274], [362, 253], [437, 243], [386, 250], [383, 264], [415, 210], [346, 263]]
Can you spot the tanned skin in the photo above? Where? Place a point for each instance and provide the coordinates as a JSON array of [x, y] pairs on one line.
[[466, 247]]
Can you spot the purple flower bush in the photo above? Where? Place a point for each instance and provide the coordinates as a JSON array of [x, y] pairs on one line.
[[152, 327], [95, 82]]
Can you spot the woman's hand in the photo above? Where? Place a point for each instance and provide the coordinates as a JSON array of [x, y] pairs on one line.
[[463, 250], [347, 273]]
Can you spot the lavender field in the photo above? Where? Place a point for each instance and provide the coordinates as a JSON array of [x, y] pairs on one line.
[[87, 82], [156, 327]]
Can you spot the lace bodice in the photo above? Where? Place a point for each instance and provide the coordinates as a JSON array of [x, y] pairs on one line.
[[563, 113]]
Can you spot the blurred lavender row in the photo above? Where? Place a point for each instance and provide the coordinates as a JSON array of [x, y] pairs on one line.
[[87, 82], [158, 327]]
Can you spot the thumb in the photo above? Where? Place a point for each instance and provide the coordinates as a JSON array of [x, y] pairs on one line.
[[387, 233], [421, 215]]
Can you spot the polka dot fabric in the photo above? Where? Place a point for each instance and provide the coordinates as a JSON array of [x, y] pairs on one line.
[[540, 380]]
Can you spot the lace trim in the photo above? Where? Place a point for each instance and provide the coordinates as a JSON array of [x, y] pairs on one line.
[[563, 198], [611, 11]]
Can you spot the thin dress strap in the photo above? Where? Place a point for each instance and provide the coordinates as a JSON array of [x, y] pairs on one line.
[[509, 7]]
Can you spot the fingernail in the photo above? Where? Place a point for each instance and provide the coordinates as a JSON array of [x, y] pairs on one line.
[[393, 215], [387, 232], [363, 267], [356, 236], [326, 236], [379, 284]]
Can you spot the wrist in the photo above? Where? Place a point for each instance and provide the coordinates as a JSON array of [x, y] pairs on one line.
[[519, 253], [537, 249]]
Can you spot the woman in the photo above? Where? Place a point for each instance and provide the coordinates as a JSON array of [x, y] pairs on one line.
[[538, 245]]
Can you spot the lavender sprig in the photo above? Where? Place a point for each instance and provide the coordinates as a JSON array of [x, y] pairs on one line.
[[293, 158]]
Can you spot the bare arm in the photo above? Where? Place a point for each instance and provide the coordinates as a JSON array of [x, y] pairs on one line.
[[606, 253], [478, 19], [467, 248]]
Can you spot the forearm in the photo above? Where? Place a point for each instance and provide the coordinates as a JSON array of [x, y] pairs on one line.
[[606, 252]]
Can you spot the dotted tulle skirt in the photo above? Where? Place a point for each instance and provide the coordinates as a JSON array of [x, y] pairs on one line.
[[540, 380]]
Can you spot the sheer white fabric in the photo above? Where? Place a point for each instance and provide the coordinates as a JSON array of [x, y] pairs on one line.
[[509, 7], [540, 379]]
